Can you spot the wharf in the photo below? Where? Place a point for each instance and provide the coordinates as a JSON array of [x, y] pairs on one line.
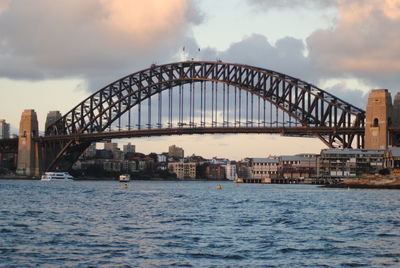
[[253, 180], [370, 182], [15, 177]]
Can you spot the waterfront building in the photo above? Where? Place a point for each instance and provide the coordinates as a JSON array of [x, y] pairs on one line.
[[392, 160], [112, 165], [337, 164], [111, 146], [215, 172], [162, 158], [4, 129], [162, 161], [243, 169], [104, 154], [297, 166], [183, 170], [129, 148], [230, 171], [176, 152], [116, 152], [129, 166], [143, 162], [90, 152], [261, 168]]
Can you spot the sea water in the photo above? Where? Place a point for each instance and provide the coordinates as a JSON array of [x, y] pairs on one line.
[[194, 224]]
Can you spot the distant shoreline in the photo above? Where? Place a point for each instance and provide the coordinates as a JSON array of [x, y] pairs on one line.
[[18, 178], [362, 186], [100, 179]]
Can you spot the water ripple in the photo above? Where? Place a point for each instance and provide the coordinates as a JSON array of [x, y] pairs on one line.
[[192, 224]]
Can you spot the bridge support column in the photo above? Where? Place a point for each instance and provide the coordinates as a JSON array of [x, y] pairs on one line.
[[28, 150], [378, 119]]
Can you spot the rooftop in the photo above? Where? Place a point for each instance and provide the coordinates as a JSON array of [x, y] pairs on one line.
[[264, 160], [352, 151]]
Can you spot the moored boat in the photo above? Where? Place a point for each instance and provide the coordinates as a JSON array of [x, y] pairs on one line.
[[48, 176]]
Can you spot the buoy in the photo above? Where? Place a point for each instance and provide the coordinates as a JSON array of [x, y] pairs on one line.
[[125, 185], [219, 187]]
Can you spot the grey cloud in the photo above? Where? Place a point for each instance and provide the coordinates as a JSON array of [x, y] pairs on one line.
[[356, 97], [364, 44], [42, 39], [287, 56]]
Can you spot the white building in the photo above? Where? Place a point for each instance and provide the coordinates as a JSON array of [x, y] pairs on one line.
[[162, 158], [230, 172]]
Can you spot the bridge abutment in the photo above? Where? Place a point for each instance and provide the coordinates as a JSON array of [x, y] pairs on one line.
[[28, 149]]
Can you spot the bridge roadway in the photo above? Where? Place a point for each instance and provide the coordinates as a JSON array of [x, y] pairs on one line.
[[11, 145], [287, 131]]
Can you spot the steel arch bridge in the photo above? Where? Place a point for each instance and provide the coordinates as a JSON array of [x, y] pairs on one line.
[[197, 97]]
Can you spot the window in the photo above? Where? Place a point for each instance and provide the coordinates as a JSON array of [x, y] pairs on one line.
[[376, 122]]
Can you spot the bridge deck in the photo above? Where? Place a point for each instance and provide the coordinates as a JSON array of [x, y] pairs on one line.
[[288, 131]]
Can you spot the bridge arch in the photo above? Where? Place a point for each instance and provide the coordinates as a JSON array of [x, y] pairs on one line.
[[309, 105]]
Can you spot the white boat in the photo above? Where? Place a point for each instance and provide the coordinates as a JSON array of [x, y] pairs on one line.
[[48, 176], [124, 178]]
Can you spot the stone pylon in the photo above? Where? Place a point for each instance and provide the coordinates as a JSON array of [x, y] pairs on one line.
[[378, 119], [52, 117], [396, 111], [28, 150], [395, 133]]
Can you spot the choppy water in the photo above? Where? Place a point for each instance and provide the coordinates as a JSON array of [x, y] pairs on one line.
[[167, 224]]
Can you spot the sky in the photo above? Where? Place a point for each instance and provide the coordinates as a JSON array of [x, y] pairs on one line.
[[53, 54]]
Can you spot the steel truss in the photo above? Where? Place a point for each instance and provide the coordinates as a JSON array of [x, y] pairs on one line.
[[336, 122]]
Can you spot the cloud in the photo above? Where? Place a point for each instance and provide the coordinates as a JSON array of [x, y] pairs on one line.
[[97, 40], [286, 56], [4, 5], [356, 97], [286, 4], [364, 43]]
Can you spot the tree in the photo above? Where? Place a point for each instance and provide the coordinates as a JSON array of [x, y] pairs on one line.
[[384, 171], [154, 156]]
